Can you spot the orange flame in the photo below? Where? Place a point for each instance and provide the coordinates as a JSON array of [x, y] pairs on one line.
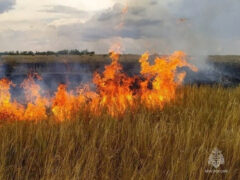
[[115, 93], [36, 106], [8, 110], [165, 78], [63, 103], [114, 87]]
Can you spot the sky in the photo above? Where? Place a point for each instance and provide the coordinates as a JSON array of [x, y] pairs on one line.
[[158, 26]]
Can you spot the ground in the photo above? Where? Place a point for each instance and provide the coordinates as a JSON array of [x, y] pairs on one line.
[[170, 143]]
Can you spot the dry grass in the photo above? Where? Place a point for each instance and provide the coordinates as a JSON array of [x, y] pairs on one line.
[[234, 59], [174, 143], [97, 58]]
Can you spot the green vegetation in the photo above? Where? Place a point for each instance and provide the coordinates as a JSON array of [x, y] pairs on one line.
[[47, 53], [173, 143]]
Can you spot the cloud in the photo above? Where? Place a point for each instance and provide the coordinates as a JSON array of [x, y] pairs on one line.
[[116, 12], [6, 5], [197, 27], [65, 15], [210, 23], [219, 18], [104, 25], [111, 13], [153, 2], [138, 10], [63, 10], [143, 22]]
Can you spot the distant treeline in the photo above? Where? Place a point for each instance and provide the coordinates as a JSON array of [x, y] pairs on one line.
[[62, 52]]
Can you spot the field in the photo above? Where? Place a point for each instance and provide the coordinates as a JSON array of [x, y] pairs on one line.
[[13, 59], [172, 143], [96, 58]]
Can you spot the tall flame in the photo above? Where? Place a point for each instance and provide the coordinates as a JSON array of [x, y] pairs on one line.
[[8, 110], [163, 77], [115, 93], [114, 87], [36, 106], [63, 103]]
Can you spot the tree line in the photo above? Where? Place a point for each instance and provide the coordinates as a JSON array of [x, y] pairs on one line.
[[61, 52]]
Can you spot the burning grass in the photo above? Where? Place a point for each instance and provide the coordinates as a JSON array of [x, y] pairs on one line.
[[115, 91], [143, 127], [172, 143]]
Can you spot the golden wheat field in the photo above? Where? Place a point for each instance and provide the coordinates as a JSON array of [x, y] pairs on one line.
[[172, 143]]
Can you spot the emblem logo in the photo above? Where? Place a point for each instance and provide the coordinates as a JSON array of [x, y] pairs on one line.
[[216, 158]]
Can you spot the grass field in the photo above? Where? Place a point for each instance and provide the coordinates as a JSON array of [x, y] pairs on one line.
[[97, 58], [173, 143], [65, 58]]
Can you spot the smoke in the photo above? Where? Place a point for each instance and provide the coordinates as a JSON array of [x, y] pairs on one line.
[[52, 74], [201, 28], [198, 28]]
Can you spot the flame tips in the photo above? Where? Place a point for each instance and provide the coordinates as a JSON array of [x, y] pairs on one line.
[[115, 93]]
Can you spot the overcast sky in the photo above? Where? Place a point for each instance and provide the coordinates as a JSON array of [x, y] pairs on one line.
[[161, 26]]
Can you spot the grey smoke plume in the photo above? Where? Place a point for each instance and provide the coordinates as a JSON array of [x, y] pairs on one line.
[[196, 27]]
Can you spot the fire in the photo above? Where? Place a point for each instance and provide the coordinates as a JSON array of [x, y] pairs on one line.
[[36, 106], [115, 92], [63, 104], [8, 110], [114, 87], [164, 76]]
